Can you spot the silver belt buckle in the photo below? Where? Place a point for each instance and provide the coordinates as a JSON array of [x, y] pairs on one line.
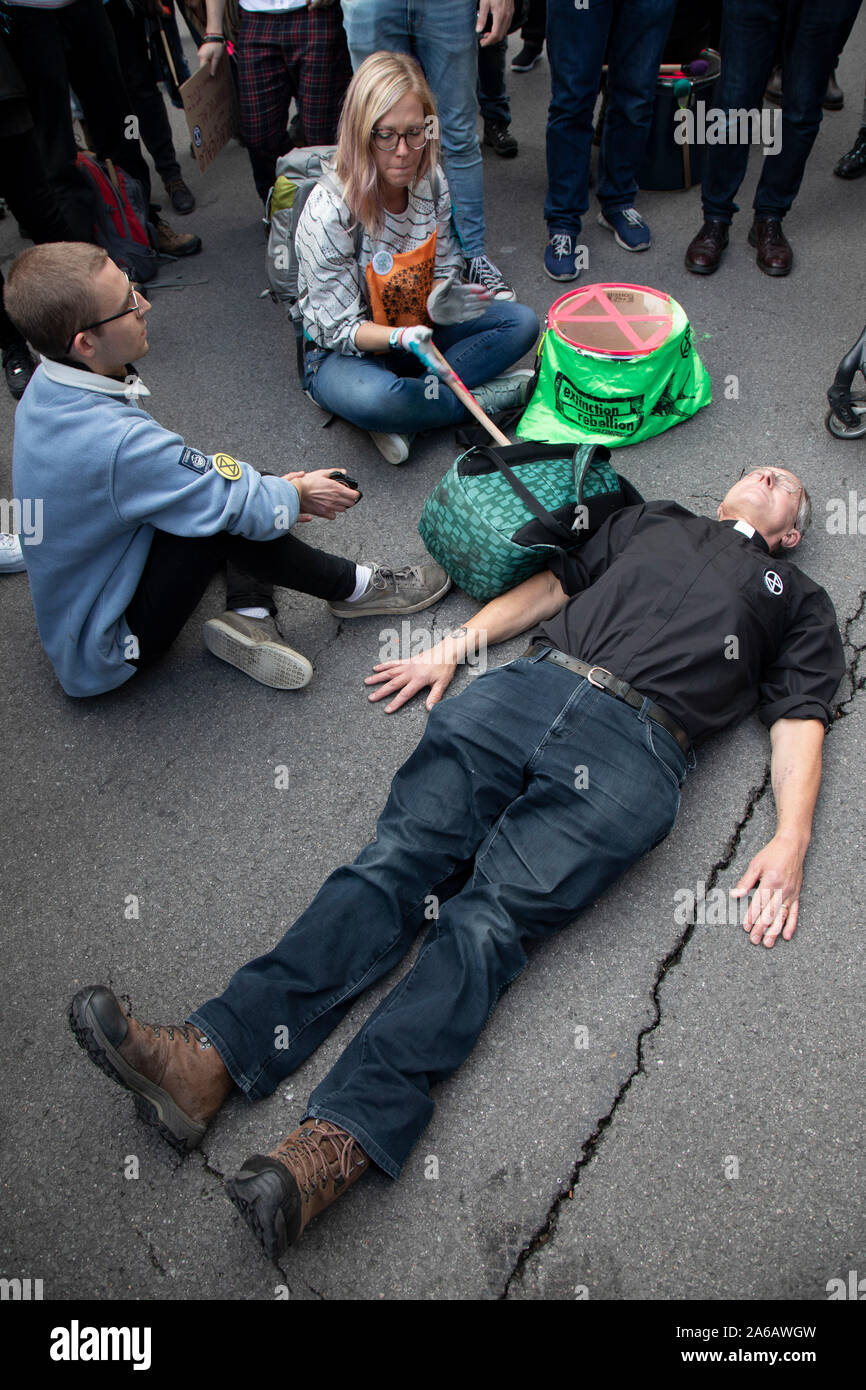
[[598, 685]]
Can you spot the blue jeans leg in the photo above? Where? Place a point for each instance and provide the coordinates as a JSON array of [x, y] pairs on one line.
[[493, 780], [374, 393], [575, 50], [441, 35], [638, 34], [554, 849]]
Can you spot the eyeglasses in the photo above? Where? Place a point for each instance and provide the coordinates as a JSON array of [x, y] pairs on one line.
[[778, 479], [387, 139], [134, 308]]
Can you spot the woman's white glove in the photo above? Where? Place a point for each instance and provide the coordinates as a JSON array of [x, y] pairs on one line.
[[453, 302], [417, 339]]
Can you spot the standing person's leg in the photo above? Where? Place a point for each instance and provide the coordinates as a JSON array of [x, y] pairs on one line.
[[852, 165], [532, 34], [147, 103], [18, 365], [25, 186], [372, 26], [752, 30], [576, 42], [555, 847], [264, 90], [321, 71], [809, 56], [637, 39], [493, 99]]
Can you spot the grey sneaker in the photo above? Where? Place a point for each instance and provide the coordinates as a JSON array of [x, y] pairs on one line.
[[393, 447], [405, 590], [254, 645], [11, 556], [504, 392]]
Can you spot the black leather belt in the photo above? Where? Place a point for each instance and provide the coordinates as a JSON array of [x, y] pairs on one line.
[[603, 680]]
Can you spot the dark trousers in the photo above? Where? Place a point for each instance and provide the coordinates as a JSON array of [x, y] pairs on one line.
[[56, 49], [301, 54], [131, 35], [24, 184], [811, 37], [487, 841], [532, 32], [179, 569], [492, 91]]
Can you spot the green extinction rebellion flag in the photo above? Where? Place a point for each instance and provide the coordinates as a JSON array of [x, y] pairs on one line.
[[617, 366]]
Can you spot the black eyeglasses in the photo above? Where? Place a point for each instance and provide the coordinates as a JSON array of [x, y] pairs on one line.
[[387, 139], [135, 308]]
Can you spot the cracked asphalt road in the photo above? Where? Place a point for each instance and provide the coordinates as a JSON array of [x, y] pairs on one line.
[[706, 1142]]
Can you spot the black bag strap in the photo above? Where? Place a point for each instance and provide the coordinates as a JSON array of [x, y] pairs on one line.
[[582, 458]]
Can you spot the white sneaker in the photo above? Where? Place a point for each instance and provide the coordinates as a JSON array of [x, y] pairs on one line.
[[504, 392], [255, 646], [11, 556], [393, 447]]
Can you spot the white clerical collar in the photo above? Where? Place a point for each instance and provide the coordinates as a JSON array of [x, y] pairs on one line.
[[130, 390], [746, 529]]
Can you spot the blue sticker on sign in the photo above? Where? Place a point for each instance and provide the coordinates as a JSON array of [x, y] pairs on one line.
[[191, 458]]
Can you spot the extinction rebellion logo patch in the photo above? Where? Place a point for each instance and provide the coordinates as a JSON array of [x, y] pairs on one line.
[[773, 582], [623, 415]]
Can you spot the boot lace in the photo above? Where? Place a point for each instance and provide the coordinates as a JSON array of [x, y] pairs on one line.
[[304, 1155]]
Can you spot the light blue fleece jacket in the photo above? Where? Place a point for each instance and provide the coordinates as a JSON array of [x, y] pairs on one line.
[[102, 475]]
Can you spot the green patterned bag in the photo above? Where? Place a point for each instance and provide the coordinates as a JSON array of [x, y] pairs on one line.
[[499, 513]]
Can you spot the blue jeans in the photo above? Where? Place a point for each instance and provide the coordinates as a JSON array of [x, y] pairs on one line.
[[394, 393], [528, 795], [441, 35], [751, 31], [576, 40]]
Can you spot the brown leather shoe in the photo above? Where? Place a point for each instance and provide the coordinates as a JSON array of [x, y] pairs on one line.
[[775, 256], [279, 1193], [705, 251], [175, 1074], [172, 243]]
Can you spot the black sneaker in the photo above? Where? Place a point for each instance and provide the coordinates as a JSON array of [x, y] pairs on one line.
[[497, 134], [526, 59], [19, 368]]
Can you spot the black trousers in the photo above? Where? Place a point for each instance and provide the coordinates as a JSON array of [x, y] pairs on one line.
[[179, 569], [74, 46], [138, 74]]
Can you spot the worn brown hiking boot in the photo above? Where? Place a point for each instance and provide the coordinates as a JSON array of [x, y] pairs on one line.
[[172, 243], [279, 1193], [176, 1075]]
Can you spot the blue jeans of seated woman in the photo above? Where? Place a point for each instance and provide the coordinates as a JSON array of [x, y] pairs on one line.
[[394, 393], [529, 793]]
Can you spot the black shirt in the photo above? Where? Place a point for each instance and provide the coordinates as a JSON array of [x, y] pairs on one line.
[[700, 618]]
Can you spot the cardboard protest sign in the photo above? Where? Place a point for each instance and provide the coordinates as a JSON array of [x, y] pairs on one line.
[[211, 112]]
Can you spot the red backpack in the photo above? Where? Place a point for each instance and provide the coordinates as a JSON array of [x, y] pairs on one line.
[[120, 221]]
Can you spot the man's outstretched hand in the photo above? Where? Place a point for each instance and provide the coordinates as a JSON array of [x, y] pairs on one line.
[[405, 679], [777, 873]]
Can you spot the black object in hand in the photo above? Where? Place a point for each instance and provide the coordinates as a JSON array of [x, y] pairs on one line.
[[346, 481]]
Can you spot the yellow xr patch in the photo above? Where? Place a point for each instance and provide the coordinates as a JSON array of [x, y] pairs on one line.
[[227, 467]]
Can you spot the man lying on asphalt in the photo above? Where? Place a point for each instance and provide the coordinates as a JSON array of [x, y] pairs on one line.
[[135, 524], [664, 628]]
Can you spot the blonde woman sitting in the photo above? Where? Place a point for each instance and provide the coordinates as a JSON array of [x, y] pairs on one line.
[[380, 274]]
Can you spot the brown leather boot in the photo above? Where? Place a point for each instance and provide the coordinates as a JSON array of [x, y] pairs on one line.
[[175, 1074], [775, 256], [705, 251], [279, 1193]]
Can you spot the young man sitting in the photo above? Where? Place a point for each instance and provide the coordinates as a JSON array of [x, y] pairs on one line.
[[135, 523]]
